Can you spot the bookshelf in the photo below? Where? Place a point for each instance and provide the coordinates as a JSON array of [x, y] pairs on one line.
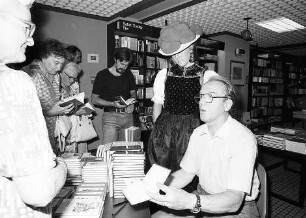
[[266, 94], [206, 52], [142, 40], [296, 85]]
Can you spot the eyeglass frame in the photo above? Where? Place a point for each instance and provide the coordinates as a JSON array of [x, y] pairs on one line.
[[75, 79], [201, 96], [30, 26]]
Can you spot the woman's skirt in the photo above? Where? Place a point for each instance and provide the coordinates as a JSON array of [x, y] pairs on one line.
[[169, 139]]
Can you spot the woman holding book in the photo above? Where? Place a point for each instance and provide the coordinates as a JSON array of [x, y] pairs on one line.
[[44, 72], [69, 88], [175, 112]]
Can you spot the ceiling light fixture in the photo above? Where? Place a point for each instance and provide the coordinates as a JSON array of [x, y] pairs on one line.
[[246, 34], [281, 25]]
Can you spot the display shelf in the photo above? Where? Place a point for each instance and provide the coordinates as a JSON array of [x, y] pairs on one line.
[[266, 89], [206, 53]]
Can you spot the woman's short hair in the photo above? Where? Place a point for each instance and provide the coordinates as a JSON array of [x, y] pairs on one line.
[[51, 47], [123, 54]]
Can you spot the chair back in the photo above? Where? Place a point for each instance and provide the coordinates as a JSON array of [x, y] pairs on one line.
[[262, 200]]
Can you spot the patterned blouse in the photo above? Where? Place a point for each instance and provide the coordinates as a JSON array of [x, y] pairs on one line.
[[25, 148], [175, 88], [48, 93]]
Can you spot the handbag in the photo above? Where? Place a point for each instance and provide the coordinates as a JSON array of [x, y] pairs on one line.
[[85, 129], [62, 128]]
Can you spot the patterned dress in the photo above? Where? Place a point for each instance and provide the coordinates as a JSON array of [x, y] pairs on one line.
[[24, 145], [48, 93], [180, 116]]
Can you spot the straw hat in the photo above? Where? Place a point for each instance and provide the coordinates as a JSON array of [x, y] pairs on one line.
[[176, 38]]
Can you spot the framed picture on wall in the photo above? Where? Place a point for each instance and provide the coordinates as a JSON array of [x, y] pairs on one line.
[[237, 73]]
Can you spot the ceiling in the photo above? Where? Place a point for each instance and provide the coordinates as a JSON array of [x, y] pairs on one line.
[[214, 16]]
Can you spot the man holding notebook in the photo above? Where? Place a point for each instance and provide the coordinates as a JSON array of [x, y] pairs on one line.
[[222, 152], [114, 90]]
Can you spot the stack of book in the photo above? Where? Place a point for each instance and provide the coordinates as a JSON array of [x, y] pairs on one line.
[[274, 140], [128, 165], [95, 171], [74, 166]]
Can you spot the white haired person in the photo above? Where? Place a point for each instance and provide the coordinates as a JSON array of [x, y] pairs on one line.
[[222, 152], [30, 173], [175, 113]]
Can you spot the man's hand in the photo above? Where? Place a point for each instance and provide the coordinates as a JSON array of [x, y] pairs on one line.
[[174, 198]]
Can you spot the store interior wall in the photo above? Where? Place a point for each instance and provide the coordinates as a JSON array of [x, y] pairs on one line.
[[224, 65], [87, 34], [90, 35]]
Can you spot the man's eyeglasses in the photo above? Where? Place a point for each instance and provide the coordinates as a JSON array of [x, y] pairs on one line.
[[30, 27], [207, 97]]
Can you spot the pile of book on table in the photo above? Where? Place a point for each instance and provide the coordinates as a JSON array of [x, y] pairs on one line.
[[87, 198], [291, 139], [126, 161]]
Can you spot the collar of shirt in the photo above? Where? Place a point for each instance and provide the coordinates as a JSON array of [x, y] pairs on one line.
[[224, 130]]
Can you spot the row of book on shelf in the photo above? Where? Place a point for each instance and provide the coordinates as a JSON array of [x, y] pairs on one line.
[[267, 72], [267, 101], [291, 139], [136, 44], [267, 63]]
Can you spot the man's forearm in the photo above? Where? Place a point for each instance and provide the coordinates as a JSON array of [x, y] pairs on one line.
[[228, 201], [101, 102], [181, 178], [39, 189]]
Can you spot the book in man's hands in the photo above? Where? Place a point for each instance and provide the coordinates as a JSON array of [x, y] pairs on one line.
[[136, 192], [125, 102]]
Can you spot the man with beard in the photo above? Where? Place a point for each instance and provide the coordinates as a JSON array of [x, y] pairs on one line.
[[110, 83]]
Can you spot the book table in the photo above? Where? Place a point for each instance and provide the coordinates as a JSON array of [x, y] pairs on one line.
[[288, 155], [120, 208]]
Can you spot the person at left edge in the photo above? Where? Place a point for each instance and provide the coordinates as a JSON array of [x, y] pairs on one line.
[[115, 81], [30, 175]]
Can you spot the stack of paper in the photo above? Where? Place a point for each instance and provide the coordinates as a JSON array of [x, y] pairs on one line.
[[296, 144], [91, 189]]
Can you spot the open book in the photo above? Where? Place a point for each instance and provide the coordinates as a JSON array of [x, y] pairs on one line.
[[125, 102], [77, 100], [136, 192]]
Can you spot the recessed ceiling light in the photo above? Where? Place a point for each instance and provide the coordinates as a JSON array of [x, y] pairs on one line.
[[280, 25]]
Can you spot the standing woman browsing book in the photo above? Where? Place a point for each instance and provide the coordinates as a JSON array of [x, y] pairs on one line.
[[69, 82], [30, 176], [175, 112], [44, 72]]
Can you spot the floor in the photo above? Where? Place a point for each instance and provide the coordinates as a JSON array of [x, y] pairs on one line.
[[285, 183]]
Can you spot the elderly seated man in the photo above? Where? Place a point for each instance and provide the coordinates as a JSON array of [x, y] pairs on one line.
[[222, 152]]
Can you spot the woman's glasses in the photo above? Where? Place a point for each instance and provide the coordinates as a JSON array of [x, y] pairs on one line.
[[207, 97]]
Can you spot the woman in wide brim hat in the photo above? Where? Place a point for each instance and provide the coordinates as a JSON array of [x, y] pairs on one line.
[[175, 112]]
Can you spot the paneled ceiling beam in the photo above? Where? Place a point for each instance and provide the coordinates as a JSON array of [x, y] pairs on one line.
[[136, 8], [171, 10]]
